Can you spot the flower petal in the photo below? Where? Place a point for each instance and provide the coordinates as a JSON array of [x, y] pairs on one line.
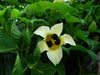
[[57, 28], [55, 55], [67, 39], [42, 31], [43, 46]]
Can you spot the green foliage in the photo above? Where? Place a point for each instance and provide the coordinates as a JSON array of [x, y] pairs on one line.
[[82, 49], [15, 13], [26, 37], [36, 53], [7, 13], [48, 69], [80, 35], [54, 11], [16, 34], [60, 69], [92, 27], [18, 69], [20, 18], [6, 43]]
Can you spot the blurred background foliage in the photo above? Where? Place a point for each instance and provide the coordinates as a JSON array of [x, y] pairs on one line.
[[19, 52]]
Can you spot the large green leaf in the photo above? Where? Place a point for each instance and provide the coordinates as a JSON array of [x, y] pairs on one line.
[[27, 21], [15, 32], [41, 8], [70, 18], [66, 50], [6, 43], [7, 14], [26, 37], [80, 35], [43, 5], [94, 45], [92, 27], [27, 12], [18, 69], [2, 18], [44, 69], [48, 69], [83, 49], [2, 12], [36, 53], [63, 8], [15, 13], [60, 68]]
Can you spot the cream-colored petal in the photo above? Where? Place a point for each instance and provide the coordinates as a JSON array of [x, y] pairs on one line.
[[43, 46], [67, 39], [42, 31], [55, 56], [57, 29]]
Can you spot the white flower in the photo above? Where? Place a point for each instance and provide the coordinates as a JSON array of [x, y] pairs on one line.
[[63, 1], [52, 41]]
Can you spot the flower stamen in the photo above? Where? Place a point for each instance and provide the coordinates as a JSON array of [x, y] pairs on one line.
[[53, 41]]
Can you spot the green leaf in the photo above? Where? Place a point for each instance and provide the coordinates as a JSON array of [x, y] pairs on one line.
[[40, 8], [70, 18], [88, 18], [89, 3], [6, 43], [54, 16], [93, 55], [45, 69], [62, 8], [66, 50], [15, 32], [12, 1], [43, 5], [7, 14], [2, 6], [27, 21], [2, 18], [93, 44], [60, 69], [98, 30], [38, 20], [27, 11], [80, 35], [26, 37], [15, 13], [35, 72], [36, 53], [92, 27], [48, 69], [3, 12], [30, 1], [83, 49], [18, 69], [33, 8]]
